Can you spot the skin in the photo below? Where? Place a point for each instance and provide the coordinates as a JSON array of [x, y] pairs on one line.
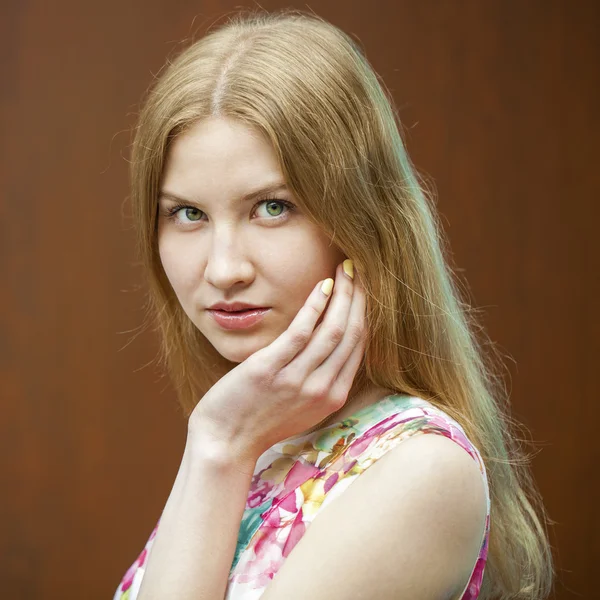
[[223, 249]]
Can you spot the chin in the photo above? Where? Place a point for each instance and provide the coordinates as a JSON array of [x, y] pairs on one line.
[[237, 349]]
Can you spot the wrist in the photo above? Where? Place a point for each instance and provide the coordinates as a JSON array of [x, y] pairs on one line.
[[206, 447]]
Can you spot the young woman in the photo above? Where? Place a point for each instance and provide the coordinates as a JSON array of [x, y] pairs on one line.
[[314, 333]]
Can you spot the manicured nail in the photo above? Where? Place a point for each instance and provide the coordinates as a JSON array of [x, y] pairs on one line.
[[348, 268], [327, 286]]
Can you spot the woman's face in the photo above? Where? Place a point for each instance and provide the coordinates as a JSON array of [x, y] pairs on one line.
[[222, 248]]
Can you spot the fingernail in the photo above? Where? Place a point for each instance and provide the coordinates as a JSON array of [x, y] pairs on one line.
[[348, 268], [327, 286]]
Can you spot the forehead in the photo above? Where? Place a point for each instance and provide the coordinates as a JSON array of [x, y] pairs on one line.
[[217, 152]]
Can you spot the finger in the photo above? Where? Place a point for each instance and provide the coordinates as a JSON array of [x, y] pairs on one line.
[[332, 367], [342, 385], [293, 340], [331, 331]]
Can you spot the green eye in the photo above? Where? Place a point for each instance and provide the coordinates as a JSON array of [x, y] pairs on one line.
[[189, 213], [183, 214], [277, 205]]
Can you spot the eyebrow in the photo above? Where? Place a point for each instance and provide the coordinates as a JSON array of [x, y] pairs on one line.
[[270, 189]]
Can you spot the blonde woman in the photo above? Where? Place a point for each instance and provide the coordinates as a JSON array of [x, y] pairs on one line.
[[314, 333]]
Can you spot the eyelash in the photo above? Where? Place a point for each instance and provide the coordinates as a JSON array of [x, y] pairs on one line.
[[171, 213]]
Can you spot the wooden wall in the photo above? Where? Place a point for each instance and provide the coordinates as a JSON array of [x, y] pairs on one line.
[[500, 99]]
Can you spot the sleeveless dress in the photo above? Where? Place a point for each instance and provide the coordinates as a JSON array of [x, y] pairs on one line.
[[298, 476]]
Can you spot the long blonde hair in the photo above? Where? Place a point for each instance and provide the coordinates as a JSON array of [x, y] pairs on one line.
[[308, 87]]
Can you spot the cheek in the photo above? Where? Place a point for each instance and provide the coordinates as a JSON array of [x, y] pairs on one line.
[[297, 276], [177, 272]]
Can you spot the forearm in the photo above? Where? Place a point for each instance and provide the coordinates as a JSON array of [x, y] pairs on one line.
[[195, 542]]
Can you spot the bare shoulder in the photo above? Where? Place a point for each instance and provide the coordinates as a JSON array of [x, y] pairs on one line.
[[410, 526]]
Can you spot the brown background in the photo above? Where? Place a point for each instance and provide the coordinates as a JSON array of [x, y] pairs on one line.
[[501, 101]]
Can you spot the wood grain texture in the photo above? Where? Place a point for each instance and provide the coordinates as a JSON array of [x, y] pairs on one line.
[[500, 102]]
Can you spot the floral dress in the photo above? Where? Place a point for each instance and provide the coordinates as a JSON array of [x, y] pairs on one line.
[[299, 476]]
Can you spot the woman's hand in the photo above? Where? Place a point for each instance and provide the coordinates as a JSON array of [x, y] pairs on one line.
[[293, 383]]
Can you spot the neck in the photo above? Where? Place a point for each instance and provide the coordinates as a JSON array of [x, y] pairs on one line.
[[370, 395]]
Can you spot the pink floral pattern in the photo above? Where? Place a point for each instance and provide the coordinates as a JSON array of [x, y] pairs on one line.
[[297, 477]]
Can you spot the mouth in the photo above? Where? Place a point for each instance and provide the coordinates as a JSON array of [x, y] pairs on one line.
[[240, 319]]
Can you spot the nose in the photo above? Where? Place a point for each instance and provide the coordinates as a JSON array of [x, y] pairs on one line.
[[228, 263]]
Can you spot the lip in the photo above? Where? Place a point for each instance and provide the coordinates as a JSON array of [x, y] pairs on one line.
[[239, 320], [233, 306]]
